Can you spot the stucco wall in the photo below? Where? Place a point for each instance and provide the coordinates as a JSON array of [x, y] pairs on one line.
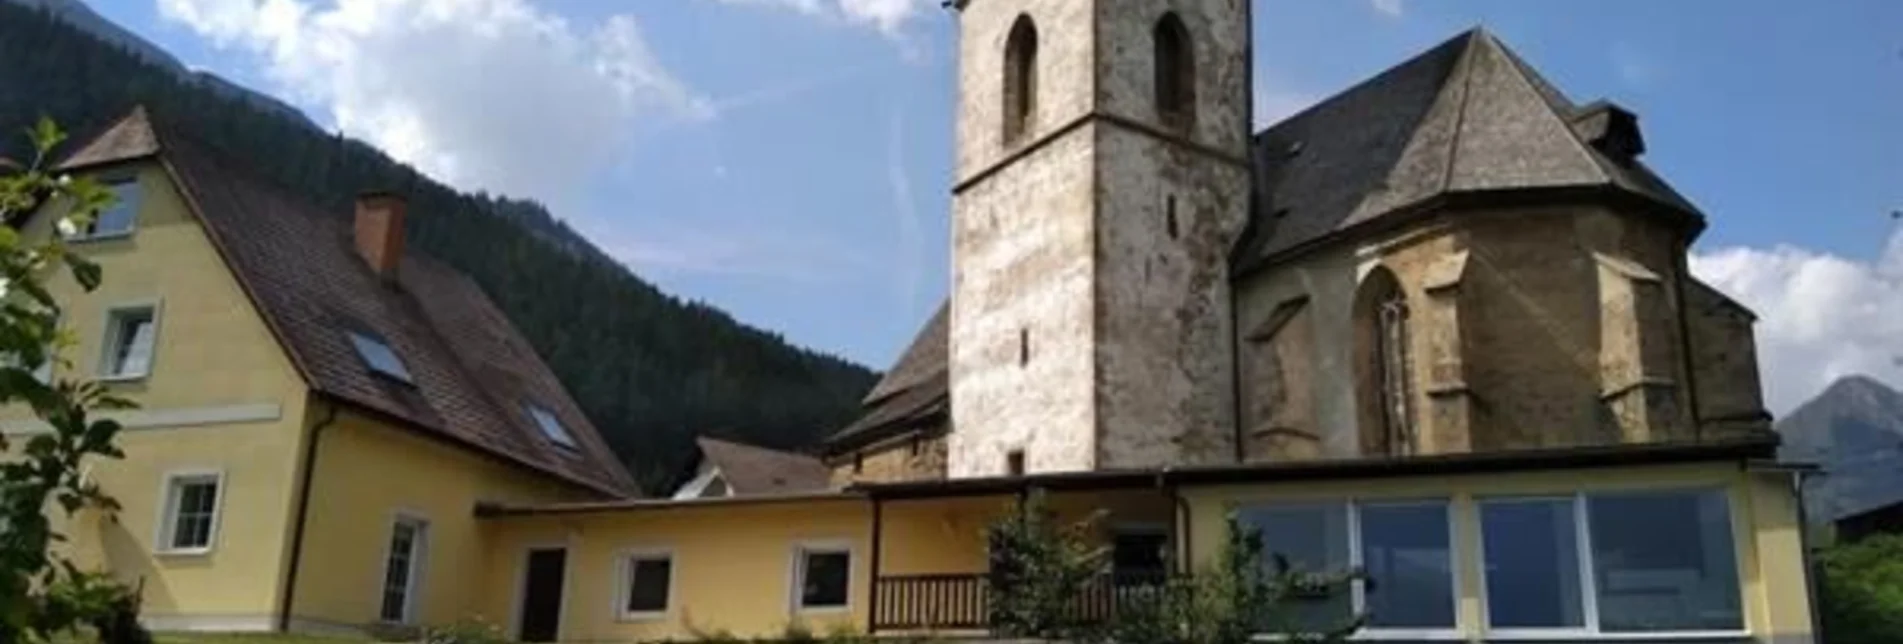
[[1163, 338], [221, 398], [732, 567], [1022, 266], [367, 475], [1763, 512]]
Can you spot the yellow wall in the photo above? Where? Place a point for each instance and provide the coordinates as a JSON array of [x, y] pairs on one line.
[[929, 536], [367, 474], [214, 359], [732, 567], [1763, 513]]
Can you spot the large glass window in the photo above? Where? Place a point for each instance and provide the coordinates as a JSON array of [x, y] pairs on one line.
[[1406, 554], [1403, 547], [1617, 562], [1664, 561]]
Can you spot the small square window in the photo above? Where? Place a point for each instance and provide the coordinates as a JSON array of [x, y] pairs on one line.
[[191, 514], [131, 335], [118, 219], [650, 578], [377, 354], [822, 578], [551, 426]]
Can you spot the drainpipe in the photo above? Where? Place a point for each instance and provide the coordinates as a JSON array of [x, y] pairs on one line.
[[303, 515]]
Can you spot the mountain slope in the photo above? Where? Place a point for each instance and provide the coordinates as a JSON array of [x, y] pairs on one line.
[[651, 370], [1854, 429]]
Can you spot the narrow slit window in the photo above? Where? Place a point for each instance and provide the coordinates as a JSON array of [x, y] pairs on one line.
[[1169, 216], [1024, 347], [1014, 462], [1175, 81]]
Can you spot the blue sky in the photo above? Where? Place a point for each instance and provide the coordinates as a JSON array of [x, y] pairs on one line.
[[788, 160]]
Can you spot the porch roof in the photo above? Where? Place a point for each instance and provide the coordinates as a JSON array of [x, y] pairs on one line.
[[1753, 447]]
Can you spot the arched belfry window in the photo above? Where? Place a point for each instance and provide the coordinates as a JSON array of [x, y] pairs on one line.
[[1384, 369], [1175, 59], [1020, 78]]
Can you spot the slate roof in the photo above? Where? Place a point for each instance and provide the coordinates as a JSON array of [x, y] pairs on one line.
[[751, 470], [472, 371], [912, 394], [1467, 117]]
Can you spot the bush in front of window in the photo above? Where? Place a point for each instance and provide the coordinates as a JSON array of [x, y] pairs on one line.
[[41, 593]]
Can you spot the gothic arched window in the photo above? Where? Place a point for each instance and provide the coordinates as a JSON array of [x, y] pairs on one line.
[[1384, 370], [1020, 78], [1175, 82]]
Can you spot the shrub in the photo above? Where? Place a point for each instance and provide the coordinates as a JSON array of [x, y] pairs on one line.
[[1860, 588]]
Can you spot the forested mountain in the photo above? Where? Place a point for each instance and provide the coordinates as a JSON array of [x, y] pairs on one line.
[[650, 369], [1854, 429]]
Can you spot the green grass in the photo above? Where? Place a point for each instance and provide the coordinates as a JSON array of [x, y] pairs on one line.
[[180, 638]]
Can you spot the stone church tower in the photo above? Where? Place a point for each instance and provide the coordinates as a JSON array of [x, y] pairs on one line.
[[1102, 173]]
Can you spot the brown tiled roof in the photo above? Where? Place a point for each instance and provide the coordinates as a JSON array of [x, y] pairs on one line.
[[753, 470], [1466, 117], [472, 373]]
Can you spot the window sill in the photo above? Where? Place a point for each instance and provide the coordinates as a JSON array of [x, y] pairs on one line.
[[1585, 636], [637, 618], [103, 237], [823, 610], [183, 552], [124, 377]]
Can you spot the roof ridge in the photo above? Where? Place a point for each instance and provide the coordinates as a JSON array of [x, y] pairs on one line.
[[1463, 68], [1558, 106]]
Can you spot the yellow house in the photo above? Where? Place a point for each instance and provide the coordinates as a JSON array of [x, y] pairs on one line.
[[319, 411]]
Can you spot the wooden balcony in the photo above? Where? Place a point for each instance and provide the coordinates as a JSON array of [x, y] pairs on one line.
[[961, 601]]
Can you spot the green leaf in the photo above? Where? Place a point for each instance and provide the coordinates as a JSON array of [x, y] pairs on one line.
[[85, 271], [45, 134]]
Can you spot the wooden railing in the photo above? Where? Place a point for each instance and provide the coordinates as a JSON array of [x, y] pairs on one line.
[[961, 601]]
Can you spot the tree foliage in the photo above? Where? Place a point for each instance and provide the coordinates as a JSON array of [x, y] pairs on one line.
[[649, 369], [1040, 565], [41, 593], [1861, 590]]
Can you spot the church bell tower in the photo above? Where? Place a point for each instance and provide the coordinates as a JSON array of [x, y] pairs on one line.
[[1102, 173]]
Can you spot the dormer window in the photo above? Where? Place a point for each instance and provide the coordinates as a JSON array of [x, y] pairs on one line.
[[379, 357], [116, 220], [551, 426]]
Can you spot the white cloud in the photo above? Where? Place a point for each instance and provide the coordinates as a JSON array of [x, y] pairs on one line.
[[1389, 8], [491, 94], [1821, 316], [887, 16]]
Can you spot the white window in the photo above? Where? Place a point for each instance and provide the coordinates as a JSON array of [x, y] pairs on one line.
[[403, 569], [822, 577], [646, 584], [1630, 562], [131, 337], [118, 219], [1405, 549], [379, 357], [189, 520], [550, 425]]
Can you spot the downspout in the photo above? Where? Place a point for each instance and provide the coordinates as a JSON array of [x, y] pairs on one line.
[[303, 516]]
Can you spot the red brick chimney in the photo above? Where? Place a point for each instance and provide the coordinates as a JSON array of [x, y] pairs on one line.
[[380, 231]]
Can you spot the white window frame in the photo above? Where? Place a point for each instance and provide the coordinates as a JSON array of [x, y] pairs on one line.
[[1588, 582], [1357, 591], [419, 560], [171, 485], [558, 434], [624, 583], [109, 182], [109, 340], [796, 575]]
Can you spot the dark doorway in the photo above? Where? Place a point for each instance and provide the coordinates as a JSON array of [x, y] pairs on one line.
[[542, 583]]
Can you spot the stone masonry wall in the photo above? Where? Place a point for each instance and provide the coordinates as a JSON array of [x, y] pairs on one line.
[[917, 457]]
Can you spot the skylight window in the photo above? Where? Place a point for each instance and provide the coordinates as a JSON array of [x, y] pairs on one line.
[[550, 425], [377, 354]]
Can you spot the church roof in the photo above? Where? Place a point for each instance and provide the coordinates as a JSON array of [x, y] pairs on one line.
[[1465, 118], [471, 373]]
